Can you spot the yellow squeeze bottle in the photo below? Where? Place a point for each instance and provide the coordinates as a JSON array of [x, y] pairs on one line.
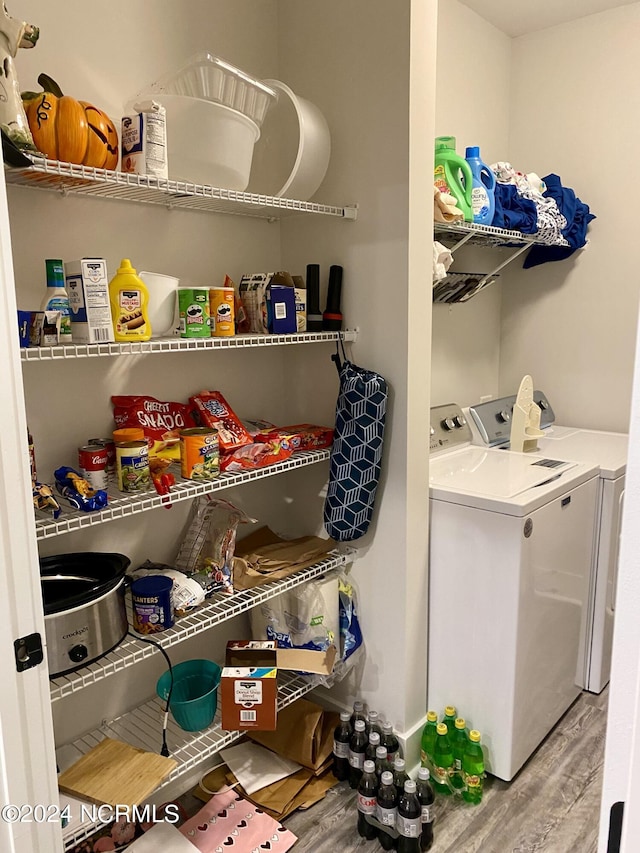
[[129, 299]]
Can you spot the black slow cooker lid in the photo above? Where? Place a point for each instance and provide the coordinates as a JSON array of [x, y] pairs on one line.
[[71, 580]]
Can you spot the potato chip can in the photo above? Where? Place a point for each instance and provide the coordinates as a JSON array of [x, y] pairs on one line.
[[193, 306], [92, 461], [221, 308], [199, 453]]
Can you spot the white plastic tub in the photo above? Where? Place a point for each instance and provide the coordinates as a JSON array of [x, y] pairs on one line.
[[208, 143]]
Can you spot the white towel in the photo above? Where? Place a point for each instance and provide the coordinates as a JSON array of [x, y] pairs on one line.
[[161, 837]]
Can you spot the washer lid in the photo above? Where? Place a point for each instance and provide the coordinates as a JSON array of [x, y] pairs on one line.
[[503, 481]]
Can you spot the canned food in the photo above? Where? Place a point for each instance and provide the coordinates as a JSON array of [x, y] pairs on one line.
[[152, 604], [92, 460], [199, 453], [132, 466], [110, 447]]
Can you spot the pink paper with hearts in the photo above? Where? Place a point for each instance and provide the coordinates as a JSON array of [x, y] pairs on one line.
[[230, 823]]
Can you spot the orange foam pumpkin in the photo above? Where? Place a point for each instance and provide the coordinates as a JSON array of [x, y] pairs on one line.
[[69, 130]]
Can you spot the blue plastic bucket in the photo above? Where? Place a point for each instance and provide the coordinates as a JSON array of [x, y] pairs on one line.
[[194, 698]]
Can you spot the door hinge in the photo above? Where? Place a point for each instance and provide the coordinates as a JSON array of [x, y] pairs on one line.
[[28, 652]]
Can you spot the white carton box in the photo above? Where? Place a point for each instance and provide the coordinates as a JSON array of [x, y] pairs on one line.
[[87, 286], [144, 141]]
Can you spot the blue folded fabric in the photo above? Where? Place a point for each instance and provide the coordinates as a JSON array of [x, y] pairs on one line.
[[578, 217], [513, 211]]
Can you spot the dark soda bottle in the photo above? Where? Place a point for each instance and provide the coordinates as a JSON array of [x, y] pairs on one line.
[[389, 740], [357, 747], [373, 722], [367, 800], [358, 714], [473, 769], [382, 762], [387, 810], [458, 745], [408, 822], [374, 743], [400, 775], [426, 798], [341, 738], [442, 761], [428, 741]]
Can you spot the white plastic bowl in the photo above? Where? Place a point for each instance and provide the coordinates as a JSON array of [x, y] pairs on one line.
[[292, 157], [208, 143], [162, 309]]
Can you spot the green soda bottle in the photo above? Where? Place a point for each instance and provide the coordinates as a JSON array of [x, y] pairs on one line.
[[442, 761], [473, 768], [429, 735], [458, 744], [449, 719]]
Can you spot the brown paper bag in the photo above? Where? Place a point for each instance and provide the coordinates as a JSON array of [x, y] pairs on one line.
[[304, 734], [263, 556]]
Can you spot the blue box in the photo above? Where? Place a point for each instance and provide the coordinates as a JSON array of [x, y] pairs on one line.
[[24, 322], [281, 309]]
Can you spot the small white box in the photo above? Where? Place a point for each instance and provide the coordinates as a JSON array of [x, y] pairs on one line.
[[144, 141], [87, 286]]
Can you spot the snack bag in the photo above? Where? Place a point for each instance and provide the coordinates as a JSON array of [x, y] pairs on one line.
[[212, 410], [256, 455], [161, 422], [300, 436]]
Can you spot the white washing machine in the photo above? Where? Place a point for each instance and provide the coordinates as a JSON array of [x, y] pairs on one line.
[[490, 421], [511, 541]]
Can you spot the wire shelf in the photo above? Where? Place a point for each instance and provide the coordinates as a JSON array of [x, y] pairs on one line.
[[180, 345], [122, 506], [217, 609], [142, 728], [69, 178], [473, 234]]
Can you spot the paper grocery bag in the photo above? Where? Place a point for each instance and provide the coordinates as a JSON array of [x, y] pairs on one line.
[[264, 556], [304, 734]]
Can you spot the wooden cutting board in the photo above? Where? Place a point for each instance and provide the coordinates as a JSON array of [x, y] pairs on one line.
[[116, 773]]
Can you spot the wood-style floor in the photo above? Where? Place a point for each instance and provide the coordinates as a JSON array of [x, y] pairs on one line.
[[552, 805]]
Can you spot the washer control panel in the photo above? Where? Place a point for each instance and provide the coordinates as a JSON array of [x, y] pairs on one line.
[[493, 418], [449, 428]]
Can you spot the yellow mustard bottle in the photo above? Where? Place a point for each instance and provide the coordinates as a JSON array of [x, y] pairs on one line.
[[129, 299]]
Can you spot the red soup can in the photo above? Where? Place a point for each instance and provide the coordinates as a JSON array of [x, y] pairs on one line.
[[92, 460], [110, 447]]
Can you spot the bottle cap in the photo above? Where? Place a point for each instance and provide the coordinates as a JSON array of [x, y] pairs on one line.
[[409, 787], [399, 763], [374, 738], [474, 735], [442, 729], [381, 752], [373, 716], [472, 151], [423, 774], [387, 778], [460, 723], [128, 434], [450, 711], [369, 767], [358, 706], [432, 717], [359, 725], [345, 716], [387, 728], [55, 272], [126, 268], [445, 142]]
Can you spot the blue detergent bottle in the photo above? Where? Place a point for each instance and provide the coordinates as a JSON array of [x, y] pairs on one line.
[[483, 201]]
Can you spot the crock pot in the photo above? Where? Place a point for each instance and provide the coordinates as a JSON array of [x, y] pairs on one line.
[[84, 610]]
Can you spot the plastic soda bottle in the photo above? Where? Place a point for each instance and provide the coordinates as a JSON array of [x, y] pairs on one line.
[[426, 798], [382, 762], [374, 743], [373, 722], [367, 800], [400, 775], [408, 822], [389, 740], [473, 768], [442, 760], [341, 738], [458, 744], [357, 747], [429, 735], [387, 810], [358, 714], [449, 718]]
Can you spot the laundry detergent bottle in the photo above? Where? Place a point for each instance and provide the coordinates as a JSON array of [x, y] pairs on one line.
[[483, 202], [129, 299], [452, 174]]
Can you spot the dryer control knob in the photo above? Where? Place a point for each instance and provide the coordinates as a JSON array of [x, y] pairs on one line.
[[460, 421], [433, 431], [504, 416], [448, 424], [78, 653]]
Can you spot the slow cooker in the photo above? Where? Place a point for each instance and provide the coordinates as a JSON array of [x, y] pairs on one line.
[[84, 609]]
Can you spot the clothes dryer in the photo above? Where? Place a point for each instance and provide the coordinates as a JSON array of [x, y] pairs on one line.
[[511, 540], [490, 424]]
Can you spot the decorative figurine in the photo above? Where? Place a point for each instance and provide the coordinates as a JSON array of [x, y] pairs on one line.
[[13, 120]]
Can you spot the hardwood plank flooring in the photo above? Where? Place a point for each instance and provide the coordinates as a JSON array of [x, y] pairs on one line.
[[552, 806]]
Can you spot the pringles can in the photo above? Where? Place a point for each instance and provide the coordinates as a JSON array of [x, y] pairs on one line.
[[221, 307], [199, 453], [193, 305]]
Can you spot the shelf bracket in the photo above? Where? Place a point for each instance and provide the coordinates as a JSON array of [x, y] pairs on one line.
[[504, 263]]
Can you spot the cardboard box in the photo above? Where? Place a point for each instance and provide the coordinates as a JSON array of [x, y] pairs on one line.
[[300, 291], [253, 293], [248, 685], [144, 141], [281, 309], [87, 285]]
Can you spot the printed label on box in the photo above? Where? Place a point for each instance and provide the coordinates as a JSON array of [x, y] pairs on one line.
[[247, 693]]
